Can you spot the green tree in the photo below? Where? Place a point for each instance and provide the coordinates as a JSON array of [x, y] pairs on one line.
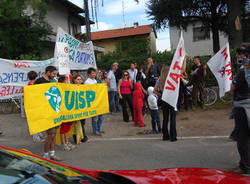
[[214, 14], [23, 28]]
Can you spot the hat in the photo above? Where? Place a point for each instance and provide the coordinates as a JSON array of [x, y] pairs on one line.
[[115, 63]]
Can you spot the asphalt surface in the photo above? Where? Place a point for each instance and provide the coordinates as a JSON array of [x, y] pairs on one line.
[[145, 153]]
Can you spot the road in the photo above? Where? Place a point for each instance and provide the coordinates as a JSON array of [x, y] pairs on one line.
[[146, 153]]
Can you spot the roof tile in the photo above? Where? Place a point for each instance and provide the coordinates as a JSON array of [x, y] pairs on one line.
[[123, 32]]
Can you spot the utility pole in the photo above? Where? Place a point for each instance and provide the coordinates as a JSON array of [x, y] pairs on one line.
[[86, 9]]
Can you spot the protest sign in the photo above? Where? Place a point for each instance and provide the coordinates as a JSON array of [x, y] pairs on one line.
[[171, 89], [61, 57], [13, 75], [49, 105], [220, 65], [81, 55]]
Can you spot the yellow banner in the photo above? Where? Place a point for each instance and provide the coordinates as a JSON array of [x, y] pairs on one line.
[[48, 105]]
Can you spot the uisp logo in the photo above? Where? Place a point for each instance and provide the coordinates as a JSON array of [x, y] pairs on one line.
[[54, 97]]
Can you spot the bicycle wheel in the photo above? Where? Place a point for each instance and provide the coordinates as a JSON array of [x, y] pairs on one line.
[[6, 107], [210, 96], [228, 98]]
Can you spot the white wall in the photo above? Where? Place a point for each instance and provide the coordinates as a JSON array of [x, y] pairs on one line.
[[58, 15], [194, 48]]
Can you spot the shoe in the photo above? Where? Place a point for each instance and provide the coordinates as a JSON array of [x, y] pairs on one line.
[[85, 140], [45, 156], [56, 158], [126, 121], [1, 133], [97, 134], [165, 139], [71, 146], [102, 132], [173, 140], [66, 148], [142, 125]]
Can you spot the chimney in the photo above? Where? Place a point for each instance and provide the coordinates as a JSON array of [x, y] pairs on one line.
[[136, 24]]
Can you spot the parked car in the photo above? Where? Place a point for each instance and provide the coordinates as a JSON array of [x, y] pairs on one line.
[[21, 166]]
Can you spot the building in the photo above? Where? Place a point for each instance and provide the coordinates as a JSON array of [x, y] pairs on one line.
[[65, 14], [108, 39], [198, 41]]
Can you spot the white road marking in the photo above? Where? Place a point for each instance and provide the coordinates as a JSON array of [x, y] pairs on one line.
[[154, 138]]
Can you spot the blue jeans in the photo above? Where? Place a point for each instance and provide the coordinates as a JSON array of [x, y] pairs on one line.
[[155, 119], [117, 102], [111, 100], [96, 123]]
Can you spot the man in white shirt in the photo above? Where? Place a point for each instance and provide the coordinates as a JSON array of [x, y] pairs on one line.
[[97, 120], [132, 72]]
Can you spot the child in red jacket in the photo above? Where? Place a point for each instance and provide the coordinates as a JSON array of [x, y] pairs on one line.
[[138, 97]]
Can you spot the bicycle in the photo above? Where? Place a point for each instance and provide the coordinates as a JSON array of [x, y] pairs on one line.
[[11, 105], [210, 95]]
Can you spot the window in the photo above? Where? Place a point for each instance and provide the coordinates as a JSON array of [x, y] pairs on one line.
[[74, 29], [201, 33]]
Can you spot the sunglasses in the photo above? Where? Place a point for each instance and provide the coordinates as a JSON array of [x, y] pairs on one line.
[[125, 74]]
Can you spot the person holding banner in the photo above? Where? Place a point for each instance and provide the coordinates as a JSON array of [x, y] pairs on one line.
[[241, 111], [97, 120], [169, 110], [79, 135], [199, 73], [49, 146]]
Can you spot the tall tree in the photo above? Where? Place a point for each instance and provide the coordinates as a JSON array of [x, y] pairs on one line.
[[212, 13], [23, 28]]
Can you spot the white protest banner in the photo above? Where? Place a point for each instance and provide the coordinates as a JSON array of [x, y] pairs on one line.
[[81, 55], [220, 65], [13, 75], [172, 84], [61, 56]]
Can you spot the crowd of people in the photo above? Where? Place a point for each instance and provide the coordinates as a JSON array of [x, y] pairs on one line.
[[133, 88], [136, 91]]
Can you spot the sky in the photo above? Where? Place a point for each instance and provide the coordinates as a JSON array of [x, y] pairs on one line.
[[110, 16]]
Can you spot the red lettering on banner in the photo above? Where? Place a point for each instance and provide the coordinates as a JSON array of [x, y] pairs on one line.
[[227, 71], [176, 65], [175, 77], [170, 87], [224, 53], [23, 64], [180, 51], [10, 90]]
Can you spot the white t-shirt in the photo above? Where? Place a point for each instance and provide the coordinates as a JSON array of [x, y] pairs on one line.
[[90, 81]]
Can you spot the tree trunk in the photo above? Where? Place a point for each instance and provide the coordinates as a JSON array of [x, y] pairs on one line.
[[215, 26], [216, 39], [86, 8], [235, 35]]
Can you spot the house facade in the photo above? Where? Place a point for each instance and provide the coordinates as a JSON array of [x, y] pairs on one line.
[[65, 14], [109, 38], [198, 41]]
